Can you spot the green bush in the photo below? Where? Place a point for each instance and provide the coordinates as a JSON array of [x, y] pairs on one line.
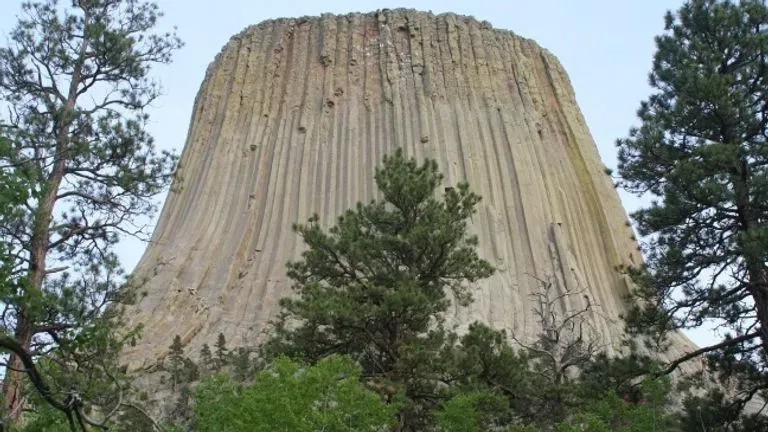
[[290, 396]]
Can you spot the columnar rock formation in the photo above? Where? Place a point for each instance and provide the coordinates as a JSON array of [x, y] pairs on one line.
[[292, 119]]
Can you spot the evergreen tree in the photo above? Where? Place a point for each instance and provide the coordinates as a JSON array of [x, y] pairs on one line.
[[206, 358], [182, 374], [701, 153], [222, 353], [74, 83], [472, 411], [374, 286], [176, 363], [715, 412]]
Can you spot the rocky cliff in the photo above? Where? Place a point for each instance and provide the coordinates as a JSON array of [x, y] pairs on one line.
[[292, 119]]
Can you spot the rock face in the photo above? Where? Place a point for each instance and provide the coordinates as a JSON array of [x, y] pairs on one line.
[[292, 119]]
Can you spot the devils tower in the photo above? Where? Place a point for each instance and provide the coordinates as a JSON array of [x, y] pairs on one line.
[[295, 114]]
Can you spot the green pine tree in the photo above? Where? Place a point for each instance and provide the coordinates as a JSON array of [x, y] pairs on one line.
[[176, 363], [701, 152], [206, 358], [75, 82], [223, 355], [374, 286]]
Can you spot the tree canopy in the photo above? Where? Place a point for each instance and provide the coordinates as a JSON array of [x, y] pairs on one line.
[[374, 285], [700, 153], [290, 396]]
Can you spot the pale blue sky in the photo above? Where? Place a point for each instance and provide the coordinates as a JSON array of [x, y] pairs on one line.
[[605, 45]]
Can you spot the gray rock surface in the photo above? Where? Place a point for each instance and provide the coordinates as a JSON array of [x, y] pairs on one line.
[[292, 119]]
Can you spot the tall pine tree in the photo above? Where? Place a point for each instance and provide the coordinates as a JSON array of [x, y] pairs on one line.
[[701, 153], [374, 286], [74, 83]]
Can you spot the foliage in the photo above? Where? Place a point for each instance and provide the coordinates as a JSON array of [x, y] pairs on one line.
[[74, 82], [612, 414], [649, 413], [13, 194], [608, 392], [716, 413], [132, 419], [566, 344], [485, 361], [180, 375], [701, 153], [605, 375], [604, 412], [374, 286], [291, 396], [537, 379], [182, 369], [471, 412]]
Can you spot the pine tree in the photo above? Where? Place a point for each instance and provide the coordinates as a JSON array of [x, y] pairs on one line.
[[206, 358], [701, 153], [176, 363], [222, 353], [374, 286], [74, 80]]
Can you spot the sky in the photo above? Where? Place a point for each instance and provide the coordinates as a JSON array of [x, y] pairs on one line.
[[606, 46]]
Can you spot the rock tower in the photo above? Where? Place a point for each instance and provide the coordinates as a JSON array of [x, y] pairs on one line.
[[295, 114]]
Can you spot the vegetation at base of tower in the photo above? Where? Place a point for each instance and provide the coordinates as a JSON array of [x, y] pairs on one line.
[[291, 396], [491, 387], [180, 374], [74, 83], [701, 152]]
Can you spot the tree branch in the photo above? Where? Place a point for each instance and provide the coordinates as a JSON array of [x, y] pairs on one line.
[[726, 343], [11, 344]]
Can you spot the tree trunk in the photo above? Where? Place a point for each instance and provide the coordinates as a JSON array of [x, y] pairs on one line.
[[13, 397], [13, 384], [758, 288], [757, 285]]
